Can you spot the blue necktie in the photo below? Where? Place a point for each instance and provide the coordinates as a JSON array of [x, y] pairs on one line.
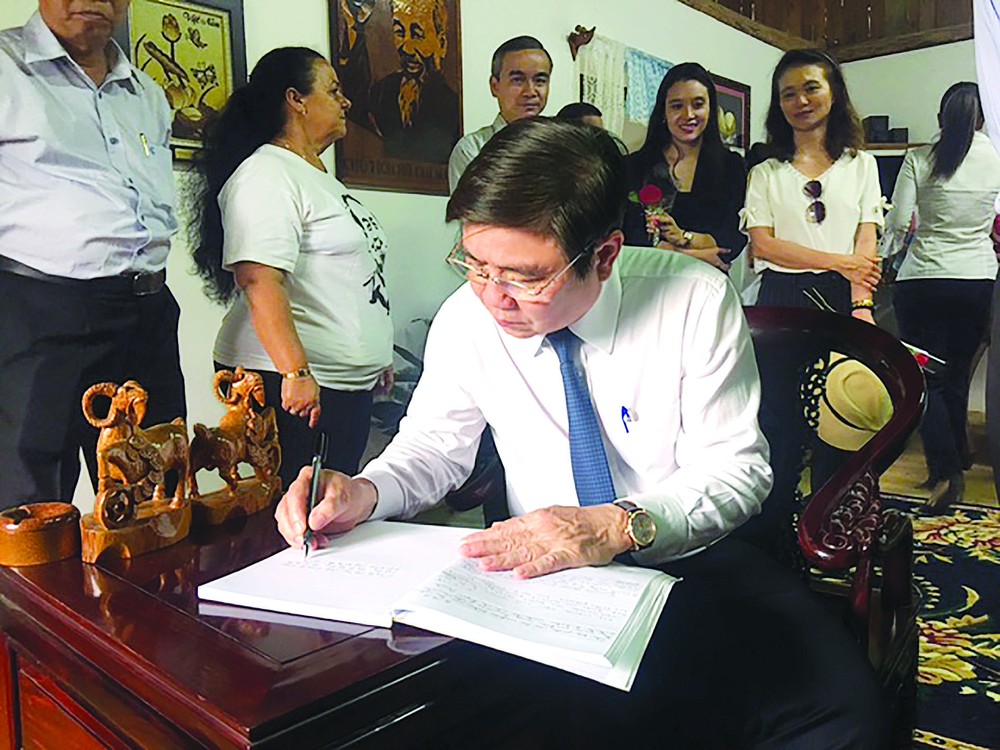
[[591, 474]]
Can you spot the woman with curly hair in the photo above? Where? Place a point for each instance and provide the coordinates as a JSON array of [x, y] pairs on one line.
[[298, 258]]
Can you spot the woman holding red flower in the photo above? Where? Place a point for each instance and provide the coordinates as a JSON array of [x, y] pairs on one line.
[[687, 187]]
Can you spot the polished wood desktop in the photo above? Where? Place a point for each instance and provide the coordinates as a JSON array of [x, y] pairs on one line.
[[118, 655]]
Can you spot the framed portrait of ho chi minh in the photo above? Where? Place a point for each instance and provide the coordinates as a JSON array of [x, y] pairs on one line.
[[399, 62], [195, 50]]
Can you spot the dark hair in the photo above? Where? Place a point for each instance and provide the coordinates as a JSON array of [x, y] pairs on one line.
[[713, 150], [556, 179], [577, 111], [960, 116], [517, 44], [757, 153], [254, 115], [843, 128]]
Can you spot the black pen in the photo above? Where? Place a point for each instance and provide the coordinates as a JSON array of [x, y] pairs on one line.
[[317, 466]]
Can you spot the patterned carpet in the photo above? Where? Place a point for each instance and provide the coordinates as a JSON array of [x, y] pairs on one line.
[[957, 568]]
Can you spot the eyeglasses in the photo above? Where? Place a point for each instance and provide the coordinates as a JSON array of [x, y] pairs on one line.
[[473, 270], [815, 211]]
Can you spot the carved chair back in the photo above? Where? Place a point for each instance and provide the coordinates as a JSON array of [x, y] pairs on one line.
[[851, 546]]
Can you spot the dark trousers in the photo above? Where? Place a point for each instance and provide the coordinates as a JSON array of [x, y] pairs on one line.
[[55, 342], [744, 656], [948, 318], [781, 289], [345, 417]]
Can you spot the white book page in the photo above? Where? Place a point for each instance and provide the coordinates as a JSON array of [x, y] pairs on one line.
[[356, 578], [580, 613]]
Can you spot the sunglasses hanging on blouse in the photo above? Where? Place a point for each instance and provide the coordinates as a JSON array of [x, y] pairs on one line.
[[815, 211]]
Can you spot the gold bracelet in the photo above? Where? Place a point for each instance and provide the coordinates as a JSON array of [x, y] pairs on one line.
[[302, 372], [862, 304]]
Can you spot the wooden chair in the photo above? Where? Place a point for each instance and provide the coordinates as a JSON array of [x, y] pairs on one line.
[[852, 547]]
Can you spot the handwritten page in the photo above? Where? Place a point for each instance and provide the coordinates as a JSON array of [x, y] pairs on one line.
[[357, 578]]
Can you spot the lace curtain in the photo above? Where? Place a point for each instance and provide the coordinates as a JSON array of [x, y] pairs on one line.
[[643, 73], [601, 67]]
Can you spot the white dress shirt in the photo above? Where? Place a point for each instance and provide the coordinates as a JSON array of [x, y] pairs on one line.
[[776, 199], [672, 375], [86, 176], [468, 148], [954, 216]]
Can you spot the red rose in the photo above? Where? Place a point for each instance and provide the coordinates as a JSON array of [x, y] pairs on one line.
[[922, 359], [650, 195]]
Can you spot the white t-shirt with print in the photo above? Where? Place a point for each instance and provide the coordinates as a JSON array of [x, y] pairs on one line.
[[279, 211], [776, 198]]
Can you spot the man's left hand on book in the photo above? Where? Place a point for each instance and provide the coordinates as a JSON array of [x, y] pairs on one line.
[[551, 539], [343, 503]]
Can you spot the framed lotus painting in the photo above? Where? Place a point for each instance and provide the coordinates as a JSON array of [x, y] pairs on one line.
[[734, 111], [195, 50]]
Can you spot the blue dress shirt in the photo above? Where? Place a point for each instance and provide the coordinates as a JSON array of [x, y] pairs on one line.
[[86, 178]]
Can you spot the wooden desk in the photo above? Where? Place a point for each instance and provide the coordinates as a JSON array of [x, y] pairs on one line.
[[117, 655]]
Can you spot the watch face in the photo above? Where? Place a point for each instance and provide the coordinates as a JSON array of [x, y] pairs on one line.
[[643, 528]]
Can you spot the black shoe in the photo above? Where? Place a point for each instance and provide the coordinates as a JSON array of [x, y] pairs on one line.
[[930, 483], [946, 495], [968, 459]]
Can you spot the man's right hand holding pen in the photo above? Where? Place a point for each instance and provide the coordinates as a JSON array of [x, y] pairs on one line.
[[342, 503]]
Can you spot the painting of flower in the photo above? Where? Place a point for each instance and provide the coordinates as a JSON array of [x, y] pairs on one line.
[[194, 50]]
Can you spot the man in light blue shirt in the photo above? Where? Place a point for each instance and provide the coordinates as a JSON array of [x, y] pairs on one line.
[[86, 216]]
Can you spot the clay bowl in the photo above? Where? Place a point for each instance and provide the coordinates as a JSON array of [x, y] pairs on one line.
[[38, 533]]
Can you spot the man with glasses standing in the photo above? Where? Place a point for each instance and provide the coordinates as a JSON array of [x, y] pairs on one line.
[[621, 389], [519, 81]]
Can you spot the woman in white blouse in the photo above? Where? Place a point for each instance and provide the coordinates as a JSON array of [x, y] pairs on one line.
[[812, 210], [943, 289], [299, 258]]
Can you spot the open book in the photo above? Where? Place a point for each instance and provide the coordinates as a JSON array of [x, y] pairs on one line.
[[594, 622]]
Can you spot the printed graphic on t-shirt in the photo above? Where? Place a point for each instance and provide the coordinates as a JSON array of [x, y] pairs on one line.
[[376, 249]]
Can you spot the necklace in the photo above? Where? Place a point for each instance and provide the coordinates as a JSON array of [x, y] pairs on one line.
[[313, 162]]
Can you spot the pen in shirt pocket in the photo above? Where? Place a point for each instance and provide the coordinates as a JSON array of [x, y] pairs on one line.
[[145, 144], [628, 417]]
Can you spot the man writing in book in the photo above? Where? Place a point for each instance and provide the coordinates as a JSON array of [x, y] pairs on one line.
[[621, 390]]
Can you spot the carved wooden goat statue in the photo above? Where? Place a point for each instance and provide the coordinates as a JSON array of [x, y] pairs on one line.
[[163, 447], [242, 434]]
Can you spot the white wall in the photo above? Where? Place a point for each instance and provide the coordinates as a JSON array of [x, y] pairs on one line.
[[908, 86]]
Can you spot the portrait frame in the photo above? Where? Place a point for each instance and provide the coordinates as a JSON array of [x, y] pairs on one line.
[[734, 98], [406, 98], [198, 58]]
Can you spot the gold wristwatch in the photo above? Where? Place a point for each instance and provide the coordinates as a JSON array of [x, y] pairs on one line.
[[640, 526]]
